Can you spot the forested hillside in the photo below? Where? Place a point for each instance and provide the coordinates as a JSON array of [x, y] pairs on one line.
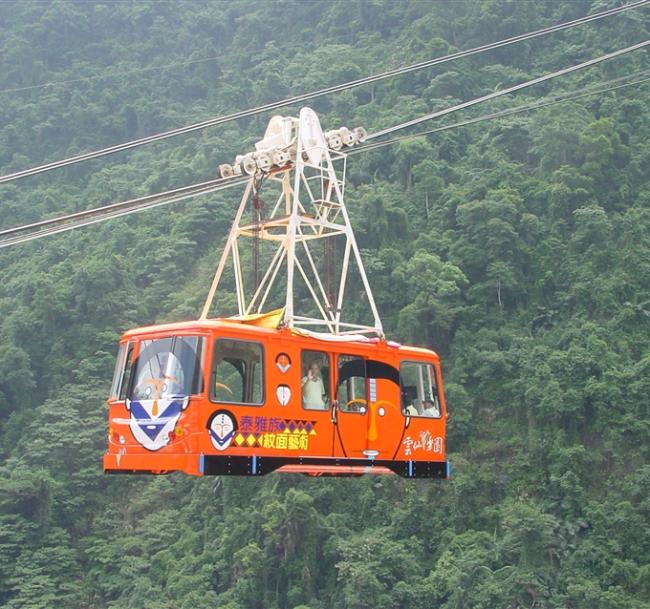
[[518, 248]]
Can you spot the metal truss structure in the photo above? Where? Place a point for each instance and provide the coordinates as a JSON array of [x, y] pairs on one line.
[[307, 173]]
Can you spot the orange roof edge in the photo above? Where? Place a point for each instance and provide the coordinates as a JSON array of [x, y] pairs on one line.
[[196, 325], [249, 326]]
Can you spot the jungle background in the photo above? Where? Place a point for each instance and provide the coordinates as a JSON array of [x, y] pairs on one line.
[[518, 248]]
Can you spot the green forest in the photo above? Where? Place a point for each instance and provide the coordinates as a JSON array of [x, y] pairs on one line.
[[517, 248]]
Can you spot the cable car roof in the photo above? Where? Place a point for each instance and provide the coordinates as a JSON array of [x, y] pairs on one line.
[[197, 325], [247, 328]]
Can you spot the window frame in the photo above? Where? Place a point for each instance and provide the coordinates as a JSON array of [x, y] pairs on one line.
[[437, 392], [123, 390], [118, 371], [136, 350], [327, 386], [212, 396], [365, 384]]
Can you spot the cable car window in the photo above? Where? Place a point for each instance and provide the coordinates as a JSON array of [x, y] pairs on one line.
[[237, 372], [351, 389], [126, 374], [315, 380], [122, 372], [167, 367], [419, 390]]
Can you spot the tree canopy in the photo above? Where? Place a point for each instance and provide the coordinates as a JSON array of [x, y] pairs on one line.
[[518, 248]]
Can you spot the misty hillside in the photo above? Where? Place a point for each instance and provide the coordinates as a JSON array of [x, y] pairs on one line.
[[518, 248]]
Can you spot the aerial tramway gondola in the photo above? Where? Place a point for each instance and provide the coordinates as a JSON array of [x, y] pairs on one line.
[[277, 391]]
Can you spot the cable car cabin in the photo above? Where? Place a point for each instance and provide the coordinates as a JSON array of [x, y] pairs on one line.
[[221, 396]]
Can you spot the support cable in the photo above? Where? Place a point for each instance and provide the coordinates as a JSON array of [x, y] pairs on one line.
[[519, 87], [45, 228], [557, 99], [326, 91], [121, 74]]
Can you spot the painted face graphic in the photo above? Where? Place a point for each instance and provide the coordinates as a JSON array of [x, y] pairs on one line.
[[222, 427], [283, 362], [155, 414], [283, 392]]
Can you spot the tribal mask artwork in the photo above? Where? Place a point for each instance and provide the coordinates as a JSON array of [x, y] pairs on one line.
[[154, 416]]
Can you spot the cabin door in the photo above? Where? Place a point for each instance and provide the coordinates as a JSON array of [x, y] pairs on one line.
[[368, 420]]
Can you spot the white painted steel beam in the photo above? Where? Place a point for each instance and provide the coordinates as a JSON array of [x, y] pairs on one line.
[[306, 205]]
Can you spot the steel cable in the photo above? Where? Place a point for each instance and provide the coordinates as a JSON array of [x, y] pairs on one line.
[[328, 90], [519, 87], [556, 99], [43, 228]]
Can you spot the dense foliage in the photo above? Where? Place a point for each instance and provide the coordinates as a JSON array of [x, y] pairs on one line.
[[518, 248]]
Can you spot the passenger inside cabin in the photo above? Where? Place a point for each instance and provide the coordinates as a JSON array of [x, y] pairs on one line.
[[409, 400], [411, 410], [313, 389], [418, 389], [429, 409]]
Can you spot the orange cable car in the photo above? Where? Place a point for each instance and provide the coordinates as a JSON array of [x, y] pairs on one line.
[[229, 397], [262, 392]]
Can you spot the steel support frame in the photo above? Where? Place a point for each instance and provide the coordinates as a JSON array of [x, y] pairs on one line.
[[310, 207]]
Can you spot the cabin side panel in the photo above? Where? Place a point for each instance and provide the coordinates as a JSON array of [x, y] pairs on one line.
[[274, 421]]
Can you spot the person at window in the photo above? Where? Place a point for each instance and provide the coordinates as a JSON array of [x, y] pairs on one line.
[[408, 405], [429, 409], [313, 390], [411, 411]]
